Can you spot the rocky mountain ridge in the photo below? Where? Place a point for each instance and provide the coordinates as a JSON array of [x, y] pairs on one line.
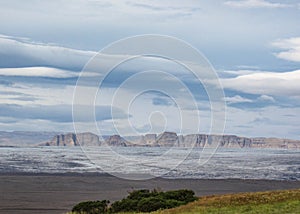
[[168, 139], [72, 139]]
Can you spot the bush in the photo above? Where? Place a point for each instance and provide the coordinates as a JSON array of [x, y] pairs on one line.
[[125, 205], [180, 195], [139, 194], [151, 204], [148, 201], [91, 207], [139, 201]]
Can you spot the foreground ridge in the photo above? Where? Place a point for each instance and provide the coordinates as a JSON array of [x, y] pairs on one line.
[[286, 201]]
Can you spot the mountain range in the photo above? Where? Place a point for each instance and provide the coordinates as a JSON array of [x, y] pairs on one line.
[[165, 139], [168, 139]]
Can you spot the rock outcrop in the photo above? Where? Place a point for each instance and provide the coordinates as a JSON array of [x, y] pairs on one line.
[[71, 139], [274, 143], [150, 139], [116, 140], [191, 140], [169, 139]]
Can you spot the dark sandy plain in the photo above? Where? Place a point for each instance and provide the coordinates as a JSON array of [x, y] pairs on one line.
[[58, 193]]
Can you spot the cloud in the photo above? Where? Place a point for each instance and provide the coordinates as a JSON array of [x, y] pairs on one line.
[[238, 72], [268, 121], [159, 101], [56, 113], [21, 52], [261, 120], [12, 95], [59, 23], [237, 99], [266, 98], [38, 72], [6, 83], [290, 47], [171, 8], [255, 4], [249, 102], [266, 83]]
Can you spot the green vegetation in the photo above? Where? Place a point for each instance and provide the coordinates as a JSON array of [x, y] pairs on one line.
[[275, 202], [138, 201], [91, 207]]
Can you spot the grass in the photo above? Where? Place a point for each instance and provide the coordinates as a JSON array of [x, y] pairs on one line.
[[274, 202]]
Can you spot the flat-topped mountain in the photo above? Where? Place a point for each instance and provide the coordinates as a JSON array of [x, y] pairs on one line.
[[168, 139], [71, 139]]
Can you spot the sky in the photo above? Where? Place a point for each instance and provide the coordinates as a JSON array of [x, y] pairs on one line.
[[253, 45]]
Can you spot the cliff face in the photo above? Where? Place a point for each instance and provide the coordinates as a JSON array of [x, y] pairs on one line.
[[274, 143], [143, 140], [116, 140], [168, 139], [150, 139], [196, 140], [71, 139]]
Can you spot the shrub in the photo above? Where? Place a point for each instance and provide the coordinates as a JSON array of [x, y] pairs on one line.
[[91, 207], [180, 195], [140, 194], [139, 201], [148, 201], [151, 204], [125, 205]]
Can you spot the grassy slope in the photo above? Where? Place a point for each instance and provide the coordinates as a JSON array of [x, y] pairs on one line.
[[275, 202], [287, 201]]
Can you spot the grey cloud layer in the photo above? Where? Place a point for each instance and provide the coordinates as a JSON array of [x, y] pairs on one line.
[[234, 35], [255, 4], [56, 113], [15, 52]]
